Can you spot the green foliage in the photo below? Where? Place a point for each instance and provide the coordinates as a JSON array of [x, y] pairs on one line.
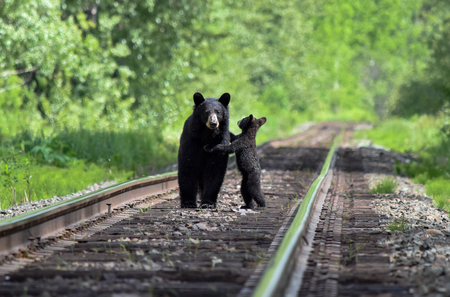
[[385, 186], [426, 89], [86, 64], [108, 67], [52, 152], [405, 135]]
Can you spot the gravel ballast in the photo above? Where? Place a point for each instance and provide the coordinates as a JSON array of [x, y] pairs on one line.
[[417, 232], [34, 205]]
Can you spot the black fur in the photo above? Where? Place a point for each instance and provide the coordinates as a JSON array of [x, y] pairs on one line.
[[244, 146], [200, 171]]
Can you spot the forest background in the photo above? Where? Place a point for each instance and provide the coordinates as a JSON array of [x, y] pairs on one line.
[[94, 90]]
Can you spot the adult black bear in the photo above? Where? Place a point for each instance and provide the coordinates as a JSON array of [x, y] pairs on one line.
[[200, 171], [247, 160]]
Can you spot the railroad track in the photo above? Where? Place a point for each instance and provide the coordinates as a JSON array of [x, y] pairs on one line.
[[134, 240]]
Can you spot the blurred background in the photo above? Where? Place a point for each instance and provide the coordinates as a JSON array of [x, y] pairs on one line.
[[94, 90]]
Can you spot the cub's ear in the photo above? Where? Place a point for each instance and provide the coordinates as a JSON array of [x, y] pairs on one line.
[[225, 99], [198, 98], [262, 121]]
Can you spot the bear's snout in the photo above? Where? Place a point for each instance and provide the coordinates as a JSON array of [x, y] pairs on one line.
[[213, 122]]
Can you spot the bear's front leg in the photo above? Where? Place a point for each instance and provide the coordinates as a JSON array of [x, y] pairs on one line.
[[188, 196], [188, 187], [215, 167]]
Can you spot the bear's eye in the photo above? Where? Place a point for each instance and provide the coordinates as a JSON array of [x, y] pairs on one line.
[[216, 110]]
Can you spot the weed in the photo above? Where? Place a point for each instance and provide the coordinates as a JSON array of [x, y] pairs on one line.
[[385, 186], [126, 251], [164, 256], [174, 292], [442, 201], [259, 258], [351, 255], [308, 172], [15, 177], [347, 197], [398, 225]]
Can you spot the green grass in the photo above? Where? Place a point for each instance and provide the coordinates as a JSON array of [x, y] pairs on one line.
[[34, 168], [385, 186], [142, 151], [439, 188], [398, 225], [428, 139], [405, 135], [49, 181]]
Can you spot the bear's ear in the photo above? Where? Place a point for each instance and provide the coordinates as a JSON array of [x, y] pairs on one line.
[[262, 121], [198, 99], [225, 99]]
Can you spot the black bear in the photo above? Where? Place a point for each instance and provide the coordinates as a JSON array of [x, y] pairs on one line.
[[200, 171], [244, 145]]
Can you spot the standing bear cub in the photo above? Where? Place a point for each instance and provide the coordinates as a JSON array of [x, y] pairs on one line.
[[200, 171], [244, 145]]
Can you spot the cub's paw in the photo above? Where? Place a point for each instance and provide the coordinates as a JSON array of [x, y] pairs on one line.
[[188, 205], [207, 205]]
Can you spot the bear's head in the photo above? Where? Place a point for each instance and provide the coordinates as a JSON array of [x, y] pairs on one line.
[[251, 122], [212, 111]]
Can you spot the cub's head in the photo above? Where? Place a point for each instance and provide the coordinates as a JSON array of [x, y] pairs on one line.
[[251, 122], [213, 112]]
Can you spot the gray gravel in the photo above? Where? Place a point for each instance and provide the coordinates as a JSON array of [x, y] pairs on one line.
[[420, 250], [33, 205]]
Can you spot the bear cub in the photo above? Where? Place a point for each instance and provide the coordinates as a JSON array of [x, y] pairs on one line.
[[244, 145], [201, 172]]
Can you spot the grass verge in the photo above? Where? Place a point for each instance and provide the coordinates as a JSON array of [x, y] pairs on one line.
[[428, 139], [42, 182], [35, 168]]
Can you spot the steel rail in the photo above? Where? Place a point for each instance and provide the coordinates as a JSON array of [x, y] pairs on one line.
[[15, 232], [279, 268]]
